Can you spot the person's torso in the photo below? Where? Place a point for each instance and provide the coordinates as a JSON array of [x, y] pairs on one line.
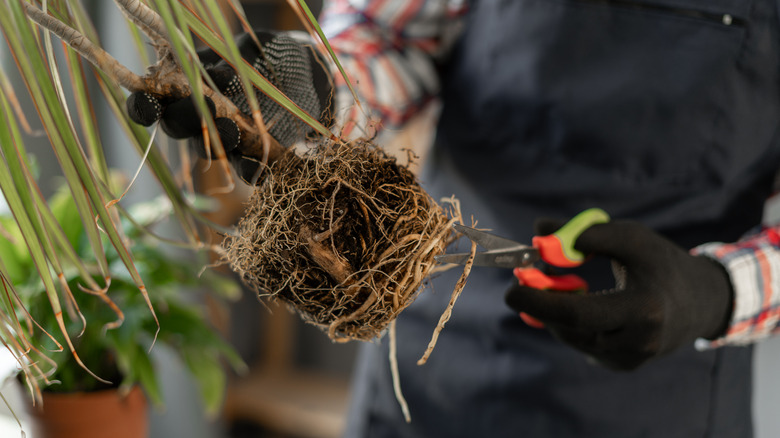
[[662, 111]]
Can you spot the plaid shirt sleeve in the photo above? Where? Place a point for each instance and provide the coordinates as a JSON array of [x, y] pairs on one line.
[[753, 264], [388, 49]]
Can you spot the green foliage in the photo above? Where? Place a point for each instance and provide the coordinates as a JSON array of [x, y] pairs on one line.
[[50, 251], [122, 354]]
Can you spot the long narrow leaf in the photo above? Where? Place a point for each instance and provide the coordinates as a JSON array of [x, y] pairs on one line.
[[221, 47], [86, 112], [157, 162], [306, 16], [64, 141]]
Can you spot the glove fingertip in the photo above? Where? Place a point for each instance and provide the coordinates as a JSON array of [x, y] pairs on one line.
[[211, 105], [626, 241], [229, 133], [566, 308], [143, 108], [181, 119], [511, 297], [224, 78]]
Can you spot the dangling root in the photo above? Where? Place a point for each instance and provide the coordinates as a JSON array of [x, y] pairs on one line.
[[459, 286], [396, 377], [343, 235]]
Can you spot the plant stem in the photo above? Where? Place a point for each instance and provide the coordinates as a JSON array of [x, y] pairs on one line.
[[87, 49], [145, 18], [166, 79]]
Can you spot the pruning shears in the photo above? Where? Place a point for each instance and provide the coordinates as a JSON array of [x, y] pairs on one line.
[[556, 249]]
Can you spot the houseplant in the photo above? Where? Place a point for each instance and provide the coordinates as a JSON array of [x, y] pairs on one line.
[[59, 80], [119, 354], [47, 266], [172, 27]]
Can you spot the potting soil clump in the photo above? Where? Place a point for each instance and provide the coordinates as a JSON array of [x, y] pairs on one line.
[[344, 235]]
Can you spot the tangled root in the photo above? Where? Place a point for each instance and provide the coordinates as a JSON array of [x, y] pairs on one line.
[[343, 235]]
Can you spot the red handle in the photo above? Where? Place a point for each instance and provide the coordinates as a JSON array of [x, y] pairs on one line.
[[536, 279]]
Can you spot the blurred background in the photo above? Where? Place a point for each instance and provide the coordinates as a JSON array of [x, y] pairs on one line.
[[298, 383]]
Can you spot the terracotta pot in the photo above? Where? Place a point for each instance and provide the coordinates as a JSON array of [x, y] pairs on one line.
[[96, 414]]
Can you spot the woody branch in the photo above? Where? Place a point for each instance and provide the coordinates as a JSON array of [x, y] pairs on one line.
[[165, 79]]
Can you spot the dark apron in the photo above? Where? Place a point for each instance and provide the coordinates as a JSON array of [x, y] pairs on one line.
[[655, 111]]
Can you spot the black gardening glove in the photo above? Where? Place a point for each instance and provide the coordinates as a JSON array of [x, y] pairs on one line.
[[291, 66], [664, 298]]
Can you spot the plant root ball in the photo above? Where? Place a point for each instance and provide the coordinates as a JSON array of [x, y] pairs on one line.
[[343, 235]]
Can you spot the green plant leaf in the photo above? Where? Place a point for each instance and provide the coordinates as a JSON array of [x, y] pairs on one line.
[[136, 366], [222, 285], [209, 375], [16, 260], [76, 239], [67, 215], [227, 50], [311, 21]]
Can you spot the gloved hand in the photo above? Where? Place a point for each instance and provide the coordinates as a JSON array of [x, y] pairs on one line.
[[664, 298], [294, 68]]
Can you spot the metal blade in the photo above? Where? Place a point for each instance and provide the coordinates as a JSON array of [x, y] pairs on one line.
[[510, 259], [487, 240]]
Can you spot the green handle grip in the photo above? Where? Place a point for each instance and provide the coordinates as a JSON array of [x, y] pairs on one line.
[[557, 249]]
